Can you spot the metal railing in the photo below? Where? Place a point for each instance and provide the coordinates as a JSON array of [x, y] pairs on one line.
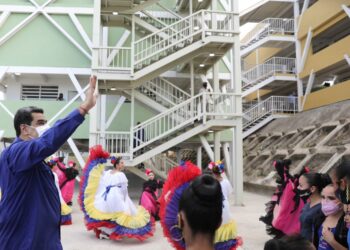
[[275, 65], [269, 26], [203, 23], [114, 142], [161, 90], [114, 57], [202, 107], [161, 165], [166, 41], [272, 105], [159, 16]]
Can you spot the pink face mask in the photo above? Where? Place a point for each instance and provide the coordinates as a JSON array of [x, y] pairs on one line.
[[330, 207]]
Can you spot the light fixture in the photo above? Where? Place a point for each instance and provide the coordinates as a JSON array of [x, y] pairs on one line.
[[113, 89], [211, 54], [201, 65], [196, 28], [199, 1], [210, 131], [115, 13], [17, 73]]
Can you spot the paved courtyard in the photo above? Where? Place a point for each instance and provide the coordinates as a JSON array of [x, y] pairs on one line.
[[75, 237]]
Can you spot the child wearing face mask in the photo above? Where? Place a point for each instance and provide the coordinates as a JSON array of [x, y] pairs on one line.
[[330, 231], [309, 189]]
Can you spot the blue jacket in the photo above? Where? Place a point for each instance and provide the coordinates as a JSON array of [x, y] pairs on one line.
[[30, 208]]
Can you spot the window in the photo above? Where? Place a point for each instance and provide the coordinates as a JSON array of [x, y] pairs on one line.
[[35, 92]]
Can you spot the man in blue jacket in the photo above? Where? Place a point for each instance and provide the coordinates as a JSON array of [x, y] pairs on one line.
[[30, 207]]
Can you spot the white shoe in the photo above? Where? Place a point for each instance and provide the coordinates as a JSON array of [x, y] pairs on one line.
[[103, 236]]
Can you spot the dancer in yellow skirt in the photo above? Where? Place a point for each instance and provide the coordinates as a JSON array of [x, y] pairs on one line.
[[106, 204]]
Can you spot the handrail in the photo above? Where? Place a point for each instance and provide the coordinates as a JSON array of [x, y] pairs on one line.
[[181, 32], [203, 107], [114, 141], [269, 26], [165, 90], [270, 67], [272, 105], [167, 40]]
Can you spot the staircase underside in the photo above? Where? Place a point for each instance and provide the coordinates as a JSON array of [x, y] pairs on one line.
[[189, 133], [124, 6], [183, 5], [198, 51], [265, 9], [275, 82], [262, 122]]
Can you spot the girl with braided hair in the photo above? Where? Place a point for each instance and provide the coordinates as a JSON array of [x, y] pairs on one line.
[[149, 196], [283, 211], [309, 190]]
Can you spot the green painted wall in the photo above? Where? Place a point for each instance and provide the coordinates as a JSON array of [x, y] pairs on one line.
[[41, 44], [121, 122]]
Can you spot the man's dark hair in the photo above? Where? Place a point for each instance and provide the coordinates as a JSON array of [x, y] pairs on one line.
[[202, 204], [290, 242], [24, 116], [343, 170], [205, 84]]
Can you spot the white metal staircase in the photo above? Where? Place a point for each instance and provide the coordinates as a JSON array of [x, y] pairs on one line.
[[275, 68], [201, 33], [264, 112], [124, 6], [151, 20], [194, 116], [271, 29], [163, 92], [160, 165]]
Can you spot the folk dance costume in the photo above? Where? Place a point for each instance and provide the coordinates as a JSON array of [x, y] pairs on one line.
[[178, 180], [66, 176], [284, 209], [106, 204], [226, 235], [66, 211], [149, 196]]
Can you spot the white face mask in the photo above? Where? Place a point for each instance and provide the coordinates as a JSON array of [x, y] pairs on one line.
[[42, 129]]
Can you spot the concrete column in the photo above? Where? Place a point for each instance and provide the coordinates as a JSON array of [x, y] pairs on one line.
[[199, 157], [95, 118], [179, 155], [217, 145]]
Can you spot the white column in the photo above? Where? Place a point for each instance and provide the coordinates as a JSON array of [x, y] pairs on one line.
[[199, 157], [2, 86], [236, 177], [179, 155], [103, 120], [298, 54], [95, 117], [226, 150], [132, 122], [217, 144], [97, 34]]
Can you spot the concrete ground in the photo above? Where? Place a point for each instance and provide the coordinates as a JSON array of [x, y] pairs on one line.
[[75, 237]]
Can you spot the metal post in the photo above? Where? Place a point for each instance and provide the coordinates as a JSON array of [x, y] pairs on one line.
[[199, 157], [192, 87], [298, 54], [236, 178], [132, 123], [103, 120], [217, 144]]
